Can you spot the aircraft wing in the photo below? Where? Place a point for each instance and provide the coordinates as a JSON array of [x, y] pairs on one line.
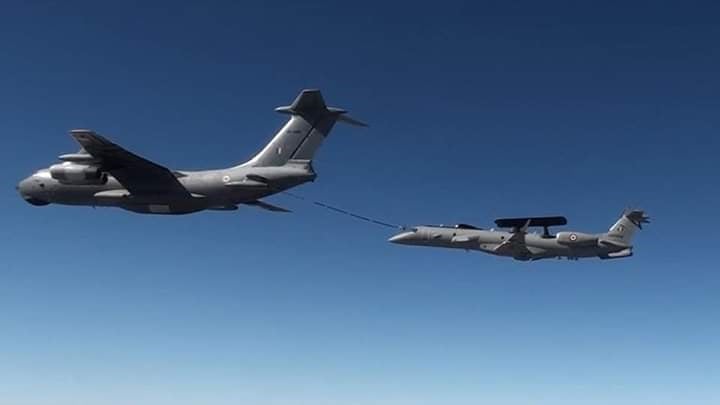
[[515, 244], [513, 248], [137, 174]]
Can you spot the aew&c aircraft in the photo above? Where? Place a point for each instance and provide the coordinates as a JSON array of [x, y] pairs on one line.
[[521, 245]]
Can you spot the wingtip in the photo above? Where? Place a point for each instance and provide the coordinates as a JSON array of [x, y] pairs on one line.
[[81, 131], [82, 134]]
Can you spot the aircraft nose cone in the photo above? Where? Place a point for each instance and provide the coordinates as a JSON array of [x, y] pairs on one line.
[[402, 238], [28, 191], [23, 187]]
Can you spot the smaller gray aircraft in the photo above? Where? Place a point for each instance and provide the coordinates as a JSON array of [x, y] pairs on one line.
[[103, 173], [517, 243]]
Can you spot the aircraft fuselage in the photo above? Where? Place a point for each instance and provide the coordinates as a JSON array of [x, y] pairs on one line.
[[104, 174], [496, 242], [208, 189]]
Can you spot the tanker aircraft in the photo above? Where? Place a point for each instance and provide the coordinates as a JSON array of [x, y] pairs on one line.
[[104, 174], [521, 245]]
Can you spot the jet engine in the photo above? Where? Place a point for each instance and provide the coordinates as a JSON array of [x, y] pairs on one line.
[[576, 239], [78, 174]]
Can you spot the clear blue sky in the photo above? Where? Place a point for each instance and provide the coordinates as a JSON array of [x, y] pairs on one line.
[[477, 110]]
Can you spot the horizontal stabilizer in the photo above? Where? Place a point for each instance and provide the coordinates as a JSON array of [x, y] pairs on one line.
[[309, 102], [266, 206], [352, 121], [530, 221], [311, 105], [223, 208], [637, 217]]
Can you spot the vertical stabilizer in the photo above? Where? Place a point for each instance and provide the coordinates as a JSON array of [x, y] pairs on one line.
[[624, 229], [299, 139]]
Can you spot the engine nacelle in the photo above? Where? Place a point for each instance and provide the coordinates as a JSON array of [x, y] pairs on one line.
[[576, 239], [77, 174]]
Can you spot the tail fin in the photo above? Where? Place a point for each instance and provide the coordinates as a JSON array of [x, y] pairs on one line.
[[624, 229], [310, 123]]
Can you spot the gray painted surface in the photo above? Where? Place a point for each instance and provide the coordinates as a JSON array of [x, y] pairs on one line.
[[521, 245], [104, 174]]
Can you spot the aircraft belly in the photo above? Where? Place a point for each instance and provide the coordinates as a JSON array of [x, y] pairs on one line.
[[112, 194], [543, 248], [543, 243], [220, 195], [241, 196], [163, 209], [576, 252], [76, 195]]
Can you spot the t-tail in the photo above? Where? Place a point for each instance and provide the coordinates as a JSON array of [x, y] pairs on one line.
[[619, 238], [299, 139], [623, 230]]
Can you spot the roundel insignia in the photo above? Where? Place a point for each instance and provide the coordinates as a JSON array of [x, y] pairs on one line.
[[225, 179], [573, 237]]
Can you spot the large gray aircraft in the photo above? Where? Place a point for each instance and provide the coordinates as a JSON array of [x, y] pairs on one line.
[[104, 174], [521, 245]]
